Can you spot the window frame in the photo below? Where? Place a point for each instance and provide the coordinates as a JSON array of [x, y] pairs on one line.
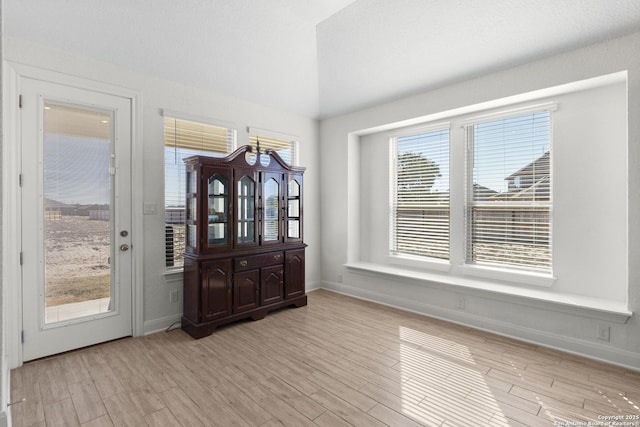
[[459, 177], [495, 270], [405, 258]]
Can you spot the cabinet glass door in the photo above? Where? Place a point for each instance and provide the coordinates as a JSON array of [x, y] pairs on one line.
[[217, 211], [293, 210], [191, 210], [246, 210], [270, 198]]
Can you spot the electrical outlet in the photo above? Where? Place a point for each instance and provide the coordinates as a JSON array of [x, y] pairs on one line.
[[173, 296], [461, 303], [603, 332]]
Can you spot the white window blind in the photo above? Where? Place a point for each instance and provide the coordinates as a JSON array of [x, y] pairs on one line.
[[509, 196], [183, 138], [420, 195], [284, 147]]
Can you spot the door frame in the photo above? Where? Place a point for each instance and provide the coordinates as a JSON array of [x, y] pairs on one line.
[[11, 196]]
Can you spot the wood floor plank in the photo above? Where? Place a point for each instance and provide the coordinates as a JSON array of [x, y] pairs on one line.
[[329, 419], [87, 401], [106, 381], [28, 412], [391, 417], [103, 421], [337, 362], [344, 410], [546, 396], [221, 415], [61, 413], [284, 412], [162, 418], [73, 367], [243, 402], [146, 401], [122, 411], [183, 408], [343, 391], [396, 400], [297, 400], [53, 384]]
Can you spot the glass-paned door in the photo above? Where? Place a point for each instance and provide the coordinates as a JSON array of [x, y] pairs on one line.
[[294, 198], [246, 210], [218, 206], [271, 210], [191, 208], [76, 214]]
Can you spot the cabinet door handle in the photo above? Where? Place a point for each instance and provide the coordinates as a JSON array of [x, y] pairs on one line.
[[243, 263], [277, 257]]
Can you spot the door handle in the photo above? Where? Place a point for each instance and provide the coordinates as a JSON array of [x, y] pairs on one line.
[[124, 247]]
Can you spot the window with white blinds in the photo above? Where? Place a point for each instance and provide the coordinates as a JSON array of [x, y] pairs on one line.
[[420, 195], [184, 138], [286, 148], [509, 194]]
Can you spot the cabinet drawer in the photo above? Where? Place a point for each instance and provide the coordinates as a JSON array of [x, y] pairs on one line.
[[258, 261]]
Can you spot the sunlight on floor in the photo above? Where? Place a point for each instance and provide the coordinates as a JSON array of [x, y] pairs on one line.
[[440, 383]]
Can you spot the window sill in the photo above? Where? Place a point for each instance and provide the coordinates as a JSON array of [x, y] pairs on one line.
[[525, 277], [596, 308], [419, 262], [171, 274]]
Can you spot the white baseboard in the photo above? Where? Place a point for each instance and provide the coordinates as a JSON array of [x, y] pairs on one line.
[[4, 419], [161, 324], [591, 350]]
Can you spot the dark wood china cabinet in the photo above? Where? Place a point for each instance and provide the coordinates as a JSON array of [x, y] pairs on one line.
[[244, 251]]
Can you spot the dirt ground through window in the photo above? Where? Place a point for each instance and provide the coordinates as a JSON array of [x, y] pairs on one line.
[[76, 259]]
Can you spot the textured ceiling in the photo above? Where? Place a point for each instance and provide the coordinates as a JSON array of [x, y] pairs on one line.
[[317, 57]]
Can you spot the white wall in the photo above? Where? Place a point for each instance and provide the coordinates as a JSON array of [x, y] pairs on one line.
[[158, 94], [587, 281]]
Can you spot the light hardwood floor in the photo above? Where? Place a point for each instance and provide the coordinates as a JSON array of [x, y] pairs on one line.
[[337, 362]]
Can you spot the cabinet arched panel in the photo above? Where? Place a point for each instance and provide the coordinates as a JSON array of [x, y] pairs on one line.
[[216, 289], [246, 291], [272, 280]]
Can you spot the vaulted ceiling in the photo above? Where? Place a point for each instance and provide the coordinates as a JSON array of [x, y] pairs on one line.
[[318, 58]]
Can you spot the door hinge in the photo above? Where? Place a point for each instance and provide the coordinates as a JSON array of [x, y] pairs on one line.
[[20, 180], [22, 336], [21, 258], [20, 101]]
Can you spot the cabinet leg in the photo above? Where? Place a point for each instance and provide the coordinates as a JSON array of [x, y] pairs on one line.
[[259, 315]]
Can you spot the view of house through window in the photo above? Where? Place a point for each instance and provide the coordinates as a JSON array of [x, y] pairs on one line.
[[182, 139], [420, 200], [509, 203]]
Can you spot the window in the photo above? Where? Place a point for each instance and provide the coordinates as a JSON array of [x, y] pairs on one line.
[[420, 195], [509, 192], [183, 138], [286, 148]]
